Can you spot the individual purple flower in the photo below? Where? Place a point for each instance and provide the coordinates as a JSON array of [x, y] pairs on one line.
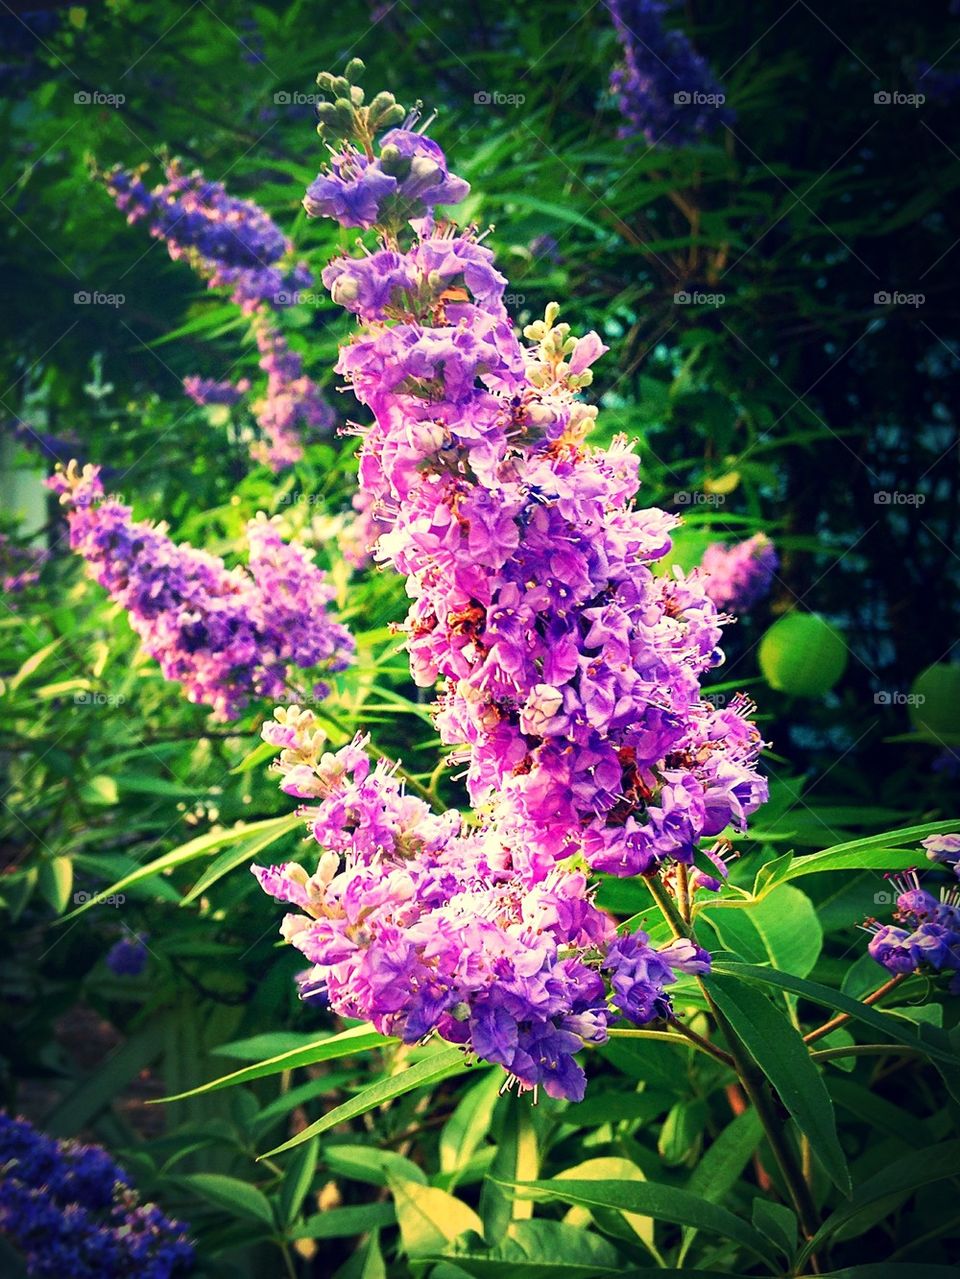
[[128, 957], [665, 91], [738, 577], [71, 1211], [228, 635], [944, 849], [926, 934]]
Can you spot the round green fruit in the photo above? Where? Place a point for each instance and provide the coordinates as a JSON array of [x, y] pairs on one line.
[[938, 713], [803, 655]]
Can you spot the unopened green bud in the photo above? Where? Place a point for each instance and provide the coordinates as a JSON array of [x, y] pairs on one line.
[[325, 81], [327, 113], [354, 69], [393, 163], [390, 119], [341, 86], [356, 96], [551, 313]]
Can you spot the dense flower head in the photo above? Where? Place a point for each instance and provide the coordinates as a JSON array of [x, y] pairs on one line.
[[739, 576], [926, 933], [226, 634], [422, 923], [72, 1212], [665, 91], [571, 670]]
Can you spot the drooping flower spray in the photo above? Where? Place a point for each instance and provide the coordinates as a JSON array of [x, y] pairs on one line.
[[570, 673]]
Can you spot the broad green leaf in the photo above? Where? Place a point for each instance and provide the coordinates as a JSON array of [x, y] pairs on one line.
[[539, 1250], [608, 1168], [194, 848], [55, 881], [781, 929], [781, 1054], [338, 1223], [719, 1167], [933, 1043], [430, 1070], [682, 1130], [469, 1124], [517, 1159], [370, 1164], [297, 1179], [366, 1263], [429, 1218], [357, 1039], [238, 1197], [651, 1199], [778, 1223], [896, 1180]]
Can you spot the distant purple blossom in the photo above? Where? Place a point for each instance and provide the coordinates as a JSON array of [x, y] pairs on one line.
[[73, 1213], [665, 90], [128, 957], [20, 565], [203, 390], [738, 577], [226, 634]]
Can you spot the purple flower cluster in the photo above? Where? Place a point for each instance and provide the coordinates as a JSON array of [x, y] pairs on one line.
[[926, 934], [19, 565], [204, 390], [72, 1212], [234, 244], [423, 924], [293, 407], [740, 576], [665, 91], [572, 672], [227, 635], [407, 178]]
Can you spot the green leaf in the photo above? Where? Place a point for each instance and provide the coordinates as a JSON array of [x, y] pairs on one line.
[[682, 1131], [897, 1179], [97, 1092], [934, 1044], [781, 1054], [719, 1168], [872, 852], [55, 880], [370, 1164], [297, 1179], [429, 1218], [610, 1168], [539, 1250], [516, 1159], [778, 1223], [467, 1127], [357, 1039], [781, 929], [651, 1199], [194, 848], [339, 1223], [430, 1070], [33, 663], [230, 859], [237, 1197]]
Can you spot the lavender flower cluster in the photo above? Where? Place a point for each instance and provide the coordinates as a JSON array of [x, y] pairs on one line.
[[227, 635], [740, 576], [72, 1212], [423, 924], [234, 244], [665, 91], [927, 933], [571, 672]]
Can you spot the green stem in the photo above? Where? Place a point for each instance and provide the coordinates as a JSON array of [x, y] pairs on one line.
[[678, 925]]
